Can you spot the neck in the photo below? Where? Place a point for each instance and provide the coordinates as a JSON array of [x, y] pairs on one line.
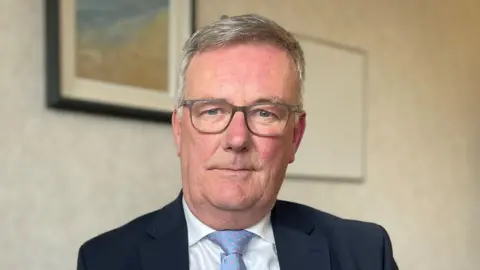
[[219, 219]]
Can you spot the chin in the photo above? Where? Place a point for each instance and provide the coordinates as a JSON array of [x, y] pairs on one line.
[[232, 199], [232, 205], [232, 190]]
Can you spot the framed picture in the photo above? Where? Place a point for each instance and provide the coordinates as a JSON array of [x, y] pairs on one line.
[[333, 146], [116, 57]]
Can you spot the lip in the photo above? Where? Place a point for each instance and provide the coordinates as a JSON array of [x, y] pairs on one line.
[[233, 173], [233, 169]]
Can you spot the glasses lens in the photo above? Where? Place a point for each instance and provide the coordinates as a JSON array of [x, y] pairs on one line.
[[210, 116], [263, 119], [268, 119]]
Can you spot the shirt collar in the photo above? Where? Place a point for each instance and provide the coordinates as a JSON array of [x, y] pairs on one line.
[[197, 230]]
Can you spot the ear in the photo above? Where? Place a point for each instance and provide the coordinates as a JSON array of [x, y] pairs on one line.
[[298, 131], [177, 130]]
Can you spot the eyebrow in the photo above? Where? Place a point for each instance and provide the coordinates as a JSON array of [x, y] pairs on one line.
[[273, 99], [270, 99]]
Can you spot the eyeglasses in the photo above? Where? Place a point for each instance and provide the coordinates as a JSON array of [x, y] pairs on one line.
[[262, 119]]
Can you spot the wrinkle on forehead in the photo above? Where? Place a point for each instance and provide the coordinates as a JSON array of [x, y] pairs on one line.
[[248, 71]]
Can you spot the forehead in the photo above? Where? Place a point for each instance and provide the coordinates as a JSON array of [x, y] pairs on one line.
[[242, 73]]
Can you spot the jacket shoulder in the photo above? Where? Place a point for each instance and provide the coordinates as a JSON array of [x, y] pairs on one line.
[[124, 233], [116, 246], [361, 242], [330, 222]]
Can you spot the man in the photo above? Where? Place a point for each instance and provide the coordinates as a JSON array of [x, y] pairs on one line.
[[237, 125]]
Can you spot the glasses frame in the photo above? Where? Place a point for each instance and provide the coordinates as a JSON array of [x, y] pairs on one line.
[[292, 109]]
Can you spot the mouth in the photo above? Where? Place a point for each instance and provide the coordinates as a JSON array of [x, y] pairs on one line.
[[233, 169], [233, 173]]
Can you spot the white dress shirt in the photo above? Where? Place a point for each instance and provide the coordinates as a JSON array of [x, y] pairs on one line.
[[260, 253]]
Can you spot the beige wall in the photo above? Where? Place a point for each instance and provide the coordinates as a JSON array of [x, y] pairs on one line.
[[65, 177]]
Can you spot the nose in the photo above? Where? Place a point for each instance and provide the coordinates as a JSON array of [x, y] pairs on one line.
[[237, 136]]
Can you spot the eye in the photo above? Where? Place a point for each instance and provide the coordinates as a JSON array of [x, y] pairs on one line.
[[212, 111], [264, 113]]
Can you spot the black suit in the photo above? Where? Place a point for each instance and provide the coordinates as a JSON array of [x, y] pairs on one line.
[[305, 239]]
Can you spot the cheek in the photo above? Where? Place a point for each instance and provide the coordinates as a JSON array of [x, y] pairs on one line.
[[270, 149], [200, 148]]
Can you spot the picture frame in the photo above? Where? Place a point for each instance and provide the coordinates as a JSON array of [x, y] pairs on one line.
[[336, 84], [117, 58]]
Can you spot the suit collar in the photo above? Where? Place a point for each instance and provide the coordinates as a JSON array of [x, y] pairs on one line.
[[300, 244], [169, 248]]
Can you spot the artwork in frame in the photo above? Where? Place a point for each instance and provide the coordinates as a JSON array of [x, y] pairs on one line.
[[116, 57], [333, 146]]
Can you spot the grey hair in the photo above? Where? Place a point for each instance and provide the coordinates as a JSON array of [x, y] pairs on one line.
[[240, 29]]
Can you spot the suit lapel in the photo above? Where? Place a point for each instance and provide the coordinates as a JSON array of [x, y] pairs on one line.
[[300, 246], [169, 247]]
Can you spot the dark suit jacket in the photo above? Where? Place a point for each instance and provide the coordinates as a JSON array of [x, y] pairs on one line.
[[305, 238]]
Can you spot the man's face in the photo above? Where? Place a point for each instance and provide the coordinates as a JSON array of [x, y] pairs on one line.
[[236, 170]]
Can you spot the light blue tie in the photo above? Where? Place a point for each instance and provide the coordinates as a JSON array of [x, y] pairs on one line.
[[233, 243]]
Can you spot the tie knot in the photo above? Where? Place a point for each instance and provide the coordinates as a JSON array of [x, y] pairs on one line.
[[231, 241]]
